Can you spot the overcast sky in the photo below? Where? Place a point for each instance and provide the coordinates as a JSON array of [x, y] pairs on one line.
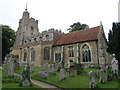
[[60, 14]]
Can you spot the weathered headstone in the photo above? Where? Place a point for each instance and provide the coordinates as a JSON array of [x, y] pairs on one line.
[[49, 67], [26, 77], [43, 73], [114, 67], [72, 71], [101, 73], [97, 73], [56, 67], [92, 81], [42, 67], [107, 73], [52, 68], [31, 67], [62, 74], [16, 62], [10, 65]]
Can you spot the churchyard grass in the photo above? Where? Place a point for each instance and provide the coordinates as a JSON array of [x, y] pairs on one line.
[[109, 84], [20, 70], [13, 82], [16, 85], [79, 81]]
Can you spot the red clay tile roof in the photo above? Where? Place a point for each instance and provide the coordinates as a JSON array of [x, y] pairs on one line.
[[78, 36]]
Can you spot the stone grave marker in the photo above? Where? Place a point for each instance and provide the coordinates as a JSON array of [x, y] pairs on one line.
[[101, 73], [10, 65], [62, 74], [107, 73], [56, 67], [50, 68], [16, 62], [43, 73], [31, 67], [114, 67], [26, 77], [72, 71], [92, 81]]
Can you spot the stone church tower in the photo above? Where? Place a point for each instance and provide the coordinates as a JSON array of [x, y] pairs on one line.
[[27, 27], [119, 11]]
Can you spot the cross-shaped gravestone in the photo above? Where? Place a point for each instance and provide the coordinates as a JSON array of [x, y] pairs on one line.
[[92, 81]]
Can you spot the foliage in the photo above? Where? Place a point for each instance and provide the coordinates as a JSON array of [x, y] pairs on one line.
[[78, 68], [77, 26], [114, 41], [8, 38]]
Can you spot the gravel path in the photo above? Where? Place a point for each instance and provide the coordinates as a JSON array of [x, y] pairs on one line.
[[41, 84]]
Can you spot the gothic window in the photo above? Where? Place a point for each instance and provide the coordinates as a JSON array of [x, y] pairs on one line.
[[32, 54], [46, 53], [58, 57], [86, 55], [25, 55], [71, 52]]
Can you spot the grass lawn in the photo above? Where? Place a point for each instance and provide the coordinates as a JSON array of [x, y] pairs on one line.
[[16, 85], [79, 81], [14, 82]]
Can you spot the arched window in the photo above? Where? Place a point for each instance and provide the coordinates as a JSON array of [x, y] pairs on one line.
[[32, 54], [46, 53], [86, 55], [25, 55], [71, 52]]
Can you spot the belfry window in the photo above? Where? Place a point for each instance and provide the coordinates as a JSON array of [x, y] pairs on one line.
[[32, 54], [86, 55], [46, 53]]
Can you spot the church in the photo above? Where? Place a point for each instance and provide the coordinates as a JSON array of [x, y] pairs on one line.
[[87, 47]]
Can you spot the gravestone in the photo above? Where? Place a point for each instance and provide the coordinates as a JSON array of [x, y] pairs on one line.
[[103, 67], [101, 73], [43, 73], [97, 73], [72, 71], [16, 62], [10, 65], [114, 67], [31, 67], [107, 73], [50, 68], [92, 81], [56, 67], [42, 67], [26, 77], [62, 74]]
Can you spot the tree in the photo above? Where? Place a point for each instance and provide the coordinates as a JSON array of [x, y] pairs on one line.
[[8, 38], [77, 26], [114, 41]]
